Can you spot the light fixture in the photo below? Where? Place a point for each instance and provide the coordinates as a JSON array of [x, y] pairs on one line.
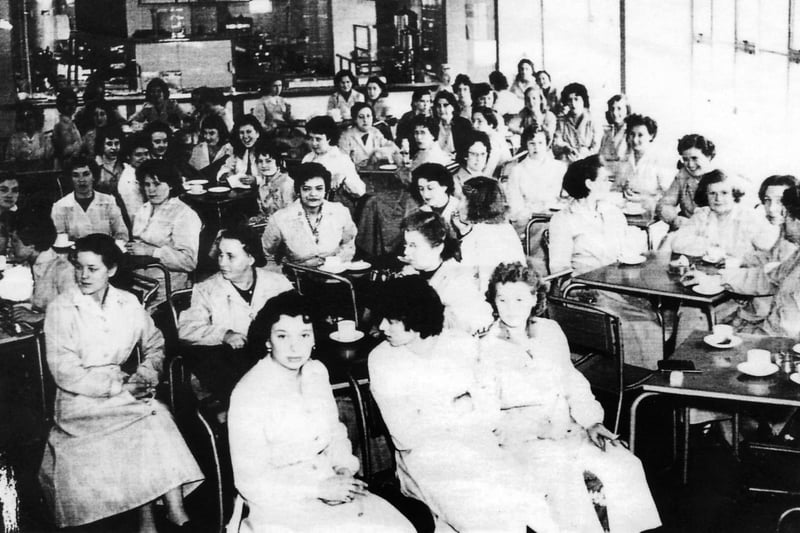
[[260, 6], [5, 25]]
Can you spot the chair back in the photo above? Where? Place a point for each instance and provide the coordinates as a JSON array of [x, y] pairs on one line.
[[530, 235], [588, 329], [141, 286], [179, 301], [331, 294]]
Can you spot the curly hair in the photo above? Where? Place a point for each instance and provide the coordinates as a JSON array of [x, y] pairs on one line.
[[631, 121], [236, 143], [251, 242], [434, 229], [709, 178], [694, 140], [517, 272], [486, 202], [307, 171], [412, 301], [575, 88], [613, 100], [288, 303]]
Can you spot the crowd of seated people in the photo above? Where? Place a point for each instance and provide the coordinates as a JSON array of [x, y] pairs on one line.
[[475, 161]]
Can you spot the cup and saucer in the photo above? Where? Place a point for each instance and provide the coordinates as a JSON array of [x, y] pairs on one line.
[[346, 332], [759, 364], [710, 286], [722, 337], [333, 265], [631, 259]]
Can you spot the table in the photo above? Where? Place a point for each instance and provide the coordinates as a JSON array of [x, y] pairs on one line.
[[720, 380], [218, 202]]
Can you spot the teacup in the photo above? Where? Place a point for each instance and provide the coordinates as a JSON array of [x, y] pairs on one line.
[[714, 254], [195, 188], [346, 329], [332, 262], [3, 262], [723, 331], [62, 241], [759, 358]]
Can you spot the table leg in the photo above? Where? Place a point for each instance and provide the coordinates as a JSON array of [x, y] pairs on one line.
[[708, 310], [634, 407], [40, 369], [735, 436], [685, 451]]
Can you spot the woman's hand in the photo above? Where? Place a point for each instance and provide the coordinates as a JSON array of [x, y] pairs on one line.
[[140, 248], [234, 340], [138, 388], [341, 488], [694, 277], [21, 314], [599, 434], [462, 226], [247, 180]]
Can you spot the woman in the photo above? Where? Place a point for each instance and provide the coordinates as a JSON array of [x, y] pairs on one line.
[[107, 145], [272, 109], [575, 136], [462, 88], [535, 183], [158, 106], [535, 113], [590, 233], [544, 81], [113, 447], [433, 190], [639, 176], [426, 148], [612, 144], [489, 239], [311, 228], [473, 162], [363, 142], [452, 128], [323, 135], [556, 428], [524, 79], [241, 165], [377, 97], [214, 147], [66, 137], [485, 120], [135, 151], [720, 224], [505, 102], [433, 254], [677, 205], [277, 188], [427, 382], [102, 114], [9, 195], [222, 308], [292, 460], [29, 142], [343, 98], [165, 228]]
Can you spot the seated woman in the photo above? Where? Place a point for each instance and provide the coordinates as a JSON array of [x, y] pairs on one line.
[[85, 211], [222, 308], [108, 143], [485, 120], [452, 128], [473, 162], [310, 228], [165, 228], [208, 101], [135, 151], [29, 143], [66, 137], [426, 149], [427, 383], [214, 147], [462, 88], [241, 164], [433, 190], [421, 103], [158, 106], [534, 113], [102, 115], [272, 109], [53, 274], [343, 98], [505, 102], [640, 177], [488, 238], [544, 81], [575, 136], [677, 205], [524, 79], [377, 97], [9, 195], [590, 233], [365, 143], [277, 188], [160, 135], [720, 226], [612, 145], [432, 253], [292, 460], [113, 447], [556, 428]]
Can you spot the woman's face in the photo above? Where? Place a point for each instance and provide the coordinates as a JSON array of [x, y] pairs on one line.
[[312, 193], [9, 194], [773, 203], [618, 111], [514, 302], [111, 149], [487, 100], [537, 146], [156, 95], [82, 180], [695, 162], [480, 123], [320, 144], [291, 339], [444, 110], [91, 274], [277, 88], [364, 119], [234, 262], [639, 139], [575, 103], [423, 105], [160, 142], [211, 136], [266, 165], [477, 154], [543, 80], [156, 192], [423, 137], [373, 91], [421, 254], [720, 197], [464, 94], [396, 332], [525, 71], [433, 193], [345, 85], [533, 101], [139, 155], [100, 117], [600, 186], [791, 229], [248, 135]]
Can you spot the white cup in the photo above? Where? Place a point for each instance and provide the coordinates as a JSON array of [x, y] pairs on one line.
[[3, 262], [195, 188], [757, 357], [346, 329], [332, 261], [723, 331]]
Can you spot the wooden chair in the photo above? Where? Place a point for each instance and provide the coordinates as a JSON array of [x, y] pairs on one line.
[[596, 344]]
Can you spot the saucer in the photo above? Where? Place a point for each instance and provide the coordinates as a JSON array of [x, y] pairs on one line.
[[734, 341], [712, 261], [195, 193], [358, 265], [196, 182], [758, 371], [796, 348], [388, 167], [219, 190], [795, 377], [357, 337], [632, 260], [633, 209], [333, 269], [708, 291]]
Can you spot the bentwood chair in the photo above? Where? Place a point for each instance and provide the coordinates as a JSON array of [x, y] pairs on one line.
[[597, 349]]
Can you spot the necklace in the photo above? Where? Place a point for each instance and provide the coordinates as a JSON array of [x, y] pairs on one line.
[[314, 226]]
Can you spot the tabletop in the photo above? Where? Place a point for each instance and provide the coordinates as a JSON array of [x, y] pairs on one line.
[[211, 199]]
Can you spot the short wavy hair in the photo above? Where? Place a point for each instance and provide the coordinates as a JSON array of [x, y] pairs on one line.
[[631, 121], [531, 131], [433, 227], [486, 202], [578, 172], [517, 272], [412, 301], [474, 136], [709, 178], [785, 180], [216, 122], [162, 170], [613, 100], [575, 88], [324, 125], [289, 303], [451, 99], [695, 140], [307, 171], [112, 131], [432, 172], [100, 244], [251, 242]]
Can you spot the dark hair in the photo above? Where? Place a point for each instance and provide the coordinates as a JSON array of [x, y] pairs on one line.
[[380, 83], [216, 122], [462, 79], [577, 174], [307, 171], [498, 80], [112, 117], [164, 172], [516, 272], [434, 229], [80, 161], [158, 126], [709, 178], [251, 242], [357, 107], [34, 229], [479, 90], [540, 72], [613, 100], [208, 95], [7, 175], [474, 137], [132, 142], [156, 83], [289, 303], [694, 140], [524, 61], [65, 96], [412, 301], [236, 142], [531, 131], [112, 131], [429, 123], [265, 88], [324, 125], [542, 100], [100, 244], [25, 110], [575, 88], [485, 201], [791, 201], [488, 113], [785, 180], [451, 99], [418, 93], [344, 73], [268, 147], [432, 172], [94, 90], [631, 121]]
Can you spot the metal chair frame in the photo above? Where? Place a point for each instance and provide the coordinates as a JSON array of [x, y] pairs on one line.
[[298, 270]]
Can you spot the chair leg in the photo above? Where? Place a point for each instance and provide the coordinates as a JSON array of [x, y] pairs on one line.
[[360, 410], [685, 458], [218, 470]]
